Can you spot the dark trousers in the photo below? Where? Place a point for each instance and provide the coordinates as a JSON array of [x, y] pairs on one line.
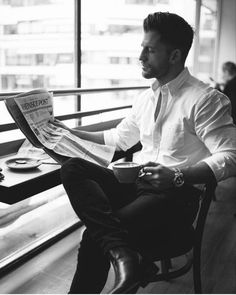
[[117, 215]]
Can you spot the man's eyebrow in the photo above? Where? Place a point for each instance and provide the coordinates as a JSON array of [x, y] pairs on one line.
[[147, 45]]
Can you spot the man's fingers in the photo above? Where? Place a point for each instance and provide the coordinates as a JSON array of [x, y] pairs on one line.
[[54, 121], [151, 169], [150, 177], [147, 177], [150, 164]]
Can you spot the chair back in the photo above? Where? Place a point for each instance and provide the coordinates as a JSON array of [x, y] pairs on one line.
[[195, 259], [205, 201]]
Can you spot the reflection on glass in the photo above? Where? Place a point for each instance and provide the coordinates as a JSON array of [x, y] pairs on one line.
[[37, 44], [207, 39], [36, 49], [27, 222]]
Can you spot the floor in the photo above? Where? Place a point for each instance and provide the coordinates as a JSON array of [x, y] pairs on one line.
[[52, 270]]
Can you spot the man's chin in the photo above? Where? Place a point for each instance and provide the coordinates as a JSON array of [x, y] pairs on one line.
[[147, 75]]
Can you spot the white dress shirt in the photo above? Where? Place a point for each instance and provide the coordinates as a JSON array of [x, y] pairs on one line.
[[193, 124]]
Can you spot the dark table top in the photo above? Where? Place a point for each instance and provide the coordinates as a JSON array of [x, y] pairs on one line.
[[20, 184]]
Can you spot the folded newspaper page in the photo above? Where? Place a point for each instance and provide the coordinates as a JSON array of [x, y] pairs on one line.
[[37, 108], [28, 150]]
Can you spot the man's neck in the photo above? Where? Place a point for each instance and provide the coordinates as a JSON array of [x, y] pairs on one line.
[[233, 76], [173, 73]]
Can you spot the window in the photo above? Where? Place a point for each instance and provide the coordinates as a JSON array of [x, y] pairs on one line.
[[36, 49], [111, 45], [117, 34], [42, 33], [207, 39], [110, 41], [10, 29], [147, 2]]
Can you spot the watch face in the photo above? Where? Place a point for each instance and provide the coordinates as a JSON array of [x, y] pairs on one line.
[[179, 179]]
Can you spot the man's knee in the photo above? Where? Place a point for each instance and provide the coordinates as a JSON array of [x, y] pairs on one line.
[[72, 167]]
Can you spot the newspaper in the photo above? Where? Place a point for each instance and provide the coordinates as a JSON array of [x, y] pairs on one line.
[[27, 150], [37, 109]]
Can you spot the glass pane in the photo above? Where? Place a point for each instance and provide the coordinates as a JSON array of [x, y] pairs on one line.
[[24, 224], [207, 39], [37, 48], [111, 44], [37, 44]]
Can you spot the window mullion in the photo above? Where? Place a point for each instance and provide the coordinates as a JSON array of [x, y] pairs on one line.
[[77, 50], [197, 32]]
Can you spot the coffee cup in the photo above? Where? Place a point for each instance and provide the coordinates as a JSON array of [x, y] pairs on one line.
[[126, 172]]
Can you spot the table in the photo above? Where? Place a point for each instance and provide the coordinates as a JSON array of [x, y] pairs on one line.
[[21, 184]]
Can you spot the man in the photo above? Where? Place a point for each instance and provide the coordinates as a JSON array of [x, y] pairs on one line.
[[229, 77], [187, 138]]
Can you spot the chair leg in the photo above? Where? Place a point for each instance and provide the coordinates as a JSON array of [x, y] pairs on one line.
[[165, 265], [197, 273], [214, 198]]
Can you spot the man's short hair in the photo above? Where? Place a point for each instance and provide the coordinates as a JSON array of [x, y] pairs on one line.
[[229, 67], [174, 30]]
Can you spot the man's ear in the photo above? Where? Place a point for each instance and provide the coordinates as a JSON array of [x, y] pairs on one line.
[[175, 56]]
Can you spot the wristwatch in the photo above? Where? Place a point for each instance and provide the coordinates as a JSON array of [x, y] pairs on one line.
[[178, 178]]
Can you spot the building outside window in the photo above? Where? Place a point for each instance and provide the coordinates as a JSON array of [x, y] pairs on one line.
[[36, 50]]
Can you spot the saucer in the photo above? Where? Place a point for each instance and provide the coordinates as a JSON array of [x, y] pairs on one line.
[[23, 163]]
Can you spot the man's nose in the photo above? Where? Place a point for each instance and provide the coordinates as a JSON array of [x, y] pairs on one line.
[[142, 56]]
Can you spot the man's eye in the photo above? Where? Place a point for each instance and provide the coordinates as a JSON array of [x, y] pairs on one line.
[[150, 50]]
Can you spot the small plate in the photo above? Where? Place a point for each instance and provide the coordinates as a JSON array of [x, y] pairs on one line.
[[23, 163]]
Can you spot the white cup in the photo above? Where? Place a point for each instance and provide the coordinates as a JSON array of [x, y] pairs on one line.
[[126, 172]]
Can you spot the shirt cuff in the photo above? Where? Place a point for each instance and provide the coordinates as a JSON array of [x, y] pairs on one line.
[[110, 137], [222, 165]]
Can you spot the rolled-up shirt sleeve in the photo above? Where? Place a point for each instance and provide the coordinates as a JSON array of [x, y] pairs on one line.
[[214, 126], [126, 134]]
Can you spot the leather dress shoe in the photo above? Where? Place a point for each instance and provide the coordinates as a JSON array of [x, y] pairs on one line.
[[130, 270]]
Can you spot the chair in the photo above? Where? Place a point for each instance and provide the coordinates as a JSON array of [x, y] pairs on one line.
[[184, 246], [187, 243]]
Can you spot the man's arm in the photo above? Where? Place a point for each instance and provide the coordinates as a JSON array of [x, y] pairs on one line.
[[97, 137], [199, 173], [214, 127], [162, 177]]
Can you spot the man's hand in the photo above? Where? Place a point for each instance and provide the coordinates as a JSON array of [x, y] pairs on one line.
[[97, 137], [159, 176], [59, 124]]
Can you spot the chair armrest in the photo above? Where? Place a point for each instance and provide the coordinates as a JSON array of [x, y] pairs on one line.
[[128, 155]]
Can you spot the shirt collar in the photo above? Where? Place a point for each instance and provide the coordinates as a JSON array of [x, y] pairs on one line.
[[174, 84]]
